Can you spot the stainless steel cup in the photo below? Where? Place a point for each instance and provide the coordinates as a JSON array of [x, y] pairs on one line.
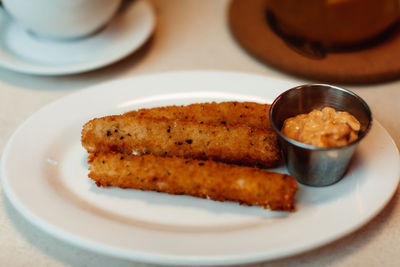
[[312, 165]]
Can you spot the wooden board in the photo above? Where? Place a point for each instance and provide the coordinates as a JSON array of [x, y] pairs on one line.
[[373, 64]]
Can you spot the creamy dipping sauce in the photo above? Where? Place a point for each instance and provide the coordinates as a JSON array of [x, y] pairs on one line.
[[323, 128]]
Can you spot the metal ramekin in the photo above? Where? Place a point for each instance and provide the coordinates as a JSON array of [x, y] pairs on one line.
[[312, 165]]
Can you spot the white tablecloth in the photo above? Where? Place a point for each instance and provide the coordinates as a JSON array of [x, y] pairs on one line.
[[190, 35]]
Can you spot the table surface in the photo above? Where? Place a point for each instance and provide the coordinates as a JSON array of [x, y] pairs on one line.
[[190, 35]]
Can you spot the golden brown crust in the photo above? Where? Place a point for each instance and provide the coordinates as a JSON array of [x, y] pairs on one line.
[[204, 179], [232, 113], [228, 143]]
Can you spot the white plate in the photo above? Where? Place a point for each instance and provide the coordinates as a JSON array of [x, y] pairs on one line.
[[44, 174], [24, 52]]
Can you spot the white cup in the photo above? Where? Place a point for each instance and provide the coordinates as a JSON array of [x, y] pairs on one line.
[[62, 19]]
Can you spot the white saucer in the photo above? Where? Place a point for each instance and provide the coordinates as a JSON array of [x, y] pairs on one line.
[[24, 52]]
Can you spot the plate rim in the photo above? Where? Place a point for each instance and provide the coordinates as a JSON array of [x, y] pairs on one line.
[[154, 258]]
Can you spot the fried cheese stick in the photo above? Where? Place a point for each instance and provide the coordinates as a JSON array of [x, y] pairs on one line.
[[204, 179], [238, 144], [232, 113]]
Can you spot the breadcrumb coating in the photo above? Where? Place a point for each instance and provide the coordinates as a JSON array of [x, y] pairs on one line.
[[238, 144], [232, 113], [204, 179]]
